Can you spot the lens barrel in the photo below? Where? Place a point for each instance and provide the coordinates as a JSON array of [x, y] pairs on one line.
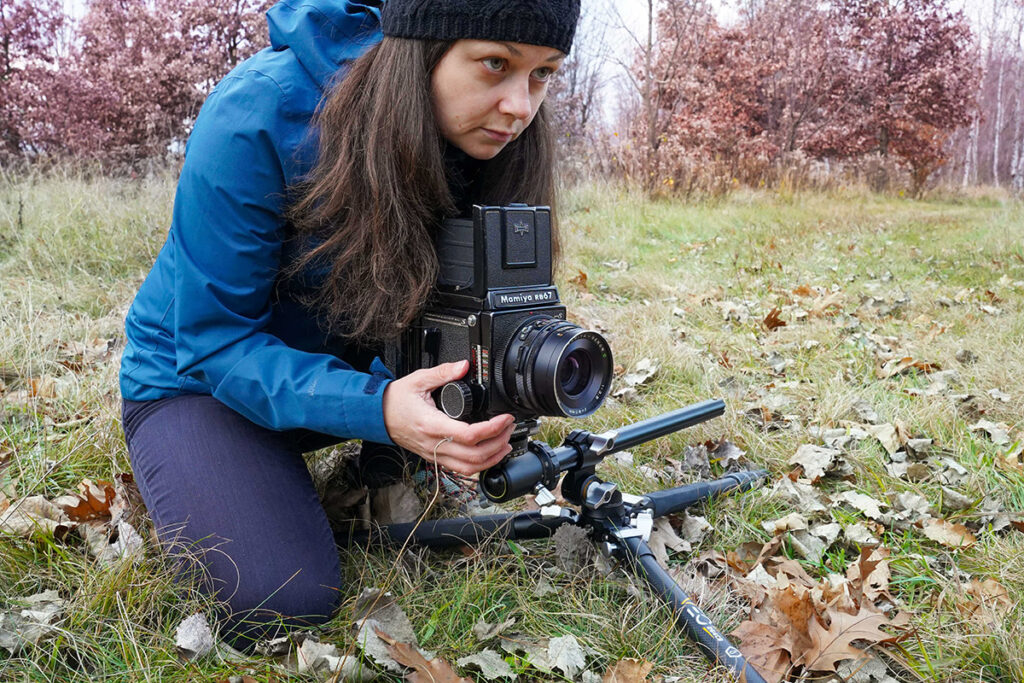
[[554, 367]]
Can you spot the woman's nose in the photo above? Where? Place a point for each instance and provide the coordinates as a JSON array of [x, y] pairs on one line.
[[515, 100]]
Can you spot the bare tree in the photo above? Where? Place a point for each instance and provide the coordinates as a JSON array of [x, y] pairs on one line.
[[676, 30], [576, 94]]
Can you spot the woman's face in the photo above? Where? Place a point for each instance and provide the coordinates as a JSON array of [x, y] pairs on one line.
[[486, 93]]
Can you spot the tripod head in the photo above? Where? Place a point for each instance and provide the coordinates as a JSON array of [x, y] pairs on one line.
[[541, 466]]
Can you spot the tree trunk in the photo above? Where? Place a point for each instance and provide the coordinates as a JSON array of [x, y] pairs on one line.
[[971, 162], [998, 125], [1017, 142], [651, 112]]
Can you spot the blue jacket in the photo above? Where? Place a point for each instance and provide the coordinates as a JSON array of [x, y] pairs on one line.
[[210, 317]]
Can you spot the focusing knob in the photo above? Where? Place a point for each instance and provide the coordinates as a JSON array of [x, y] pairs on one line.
[[457, 400]]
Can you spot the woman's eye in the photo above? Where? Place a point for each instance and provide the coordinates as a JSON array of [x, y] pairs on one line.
[[543, 73], [494, 63]]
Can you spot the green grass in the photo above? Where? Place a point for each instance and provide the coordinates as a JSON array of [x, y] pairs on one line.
[[73, 251]]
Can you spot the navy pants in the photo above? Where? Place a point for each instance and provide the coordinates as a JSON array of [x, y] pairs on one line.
[[234, 504]]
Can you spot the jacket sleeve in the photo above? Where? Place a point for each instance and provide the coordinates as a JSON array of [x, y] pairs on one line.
[[227, 233]]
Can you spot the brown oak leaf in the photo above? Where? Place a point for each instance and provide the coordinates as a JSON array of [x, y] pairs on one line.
[[91, 502], [833, 644], [424, 670], [767, 648], [772, 321]]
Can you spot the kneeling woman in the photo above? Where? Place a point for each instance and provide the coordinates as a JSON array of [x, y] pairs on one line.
[[301, 241]]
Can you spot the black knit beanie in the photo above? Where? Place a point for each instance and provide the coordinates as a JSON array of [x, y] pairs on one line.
[[550, 23]]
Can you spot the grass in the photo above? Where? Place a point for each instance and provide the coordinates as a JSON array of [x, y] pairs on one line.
[[660, 278]]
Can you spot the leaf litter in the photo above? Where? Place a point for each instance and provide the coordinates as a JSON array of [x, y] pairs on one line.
[[30, 619]]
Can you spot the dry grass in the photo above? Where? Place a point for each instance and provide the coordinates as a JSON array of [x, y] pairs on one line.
[[660, 279]]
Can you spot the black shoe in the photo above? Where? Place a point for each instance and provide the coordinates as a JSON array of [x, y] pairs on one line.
[[379, 465]]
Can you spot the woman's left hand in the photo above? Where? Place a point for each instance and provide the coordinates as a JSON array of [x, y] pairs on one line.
[[414, 423]]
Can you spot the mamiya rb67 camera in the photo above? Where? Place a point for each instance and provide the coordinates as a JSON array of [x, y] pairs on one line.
[[495, 305]]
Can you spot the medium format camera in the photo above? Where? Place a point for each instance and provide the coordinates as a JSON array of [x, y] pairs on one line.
[[495, 305]]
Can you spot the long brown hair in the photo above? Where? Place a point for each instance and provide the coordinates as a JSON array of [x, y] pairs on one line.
[[379, 189]]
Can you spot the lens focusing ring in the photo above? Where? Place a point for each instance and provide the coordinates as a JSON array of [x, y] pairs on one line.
[[537, 357]]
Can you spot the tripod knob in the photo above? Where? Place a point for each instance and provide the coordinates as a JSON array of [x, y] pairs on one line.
[[601, 493], [456, 400]]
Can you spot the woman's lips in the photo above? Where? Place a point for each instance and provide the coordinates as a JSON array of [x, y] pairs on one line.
[[498, 136]]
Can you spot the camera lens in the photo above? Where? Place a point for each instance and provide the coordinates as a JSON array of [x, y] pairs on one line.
[[554, 367], [575, 373]]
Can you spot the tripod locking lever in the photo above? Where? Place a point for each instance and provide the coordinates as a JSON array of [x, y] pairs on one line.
[[600, 494], [543, 496]]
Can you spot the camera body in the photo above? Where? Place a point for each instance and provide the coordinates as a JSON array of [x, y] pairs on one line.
[[495, 305]]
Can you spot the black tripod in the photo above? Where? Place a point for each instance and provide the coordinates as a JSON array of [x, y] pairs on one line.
[[618, 523]]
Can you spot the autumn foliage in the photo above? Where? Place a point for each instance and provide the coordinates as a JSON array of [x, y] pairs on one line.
[[796, 79], [120, 85]]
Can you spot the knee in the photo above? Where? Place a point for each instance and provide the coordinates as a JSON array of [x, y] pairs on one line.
[[271, 605]]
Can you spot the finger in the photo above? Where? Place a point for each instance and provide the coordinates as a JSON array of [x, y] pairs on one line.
[[474, 457], [429, 379], [473, 434]]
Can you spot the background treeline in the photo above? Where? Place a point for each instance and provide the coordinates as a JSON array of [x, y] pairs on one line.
[[891, 93], [119, 85]]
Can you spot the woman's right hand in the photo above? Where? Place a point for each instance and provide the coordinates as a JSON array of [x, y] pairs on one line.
[[414, 423]]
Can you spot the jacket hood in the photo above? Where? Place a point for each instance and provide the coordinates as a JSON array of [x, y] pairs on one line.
[[324, 34]]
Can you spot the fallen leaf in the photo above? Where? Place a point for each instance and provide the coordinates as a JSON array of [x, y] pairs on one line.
[[989, 601], [628, 671], [491, 664], [484, 631], [535, 652], [772, 321], [30, 620], [664, 538], [828, 305], [42, 387], [767, 648], [999, 395], [424, 670], [725, 453], [904, 365], [865, 412], [696, 460], [999, 432], [30, 515], [887, 435], [642, 372], [112, 545], [833, 644], [866, 670], [790, 522], [869, 575], [948, 534], [580, 280], [566, 654], [77, 356], [815, 460], [801, 494], [193, 637], [374, 610], [324, 659], [863, 502], [91, 502], [396, 504]]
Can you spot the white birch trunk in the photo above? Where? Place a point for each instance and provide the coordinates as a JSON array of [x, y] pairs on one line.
[[997, 132], [971, 162], [1017, 163]]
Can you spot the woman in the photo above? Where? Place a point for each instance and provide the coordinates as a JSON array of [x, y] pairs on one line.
[[298, 246]]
